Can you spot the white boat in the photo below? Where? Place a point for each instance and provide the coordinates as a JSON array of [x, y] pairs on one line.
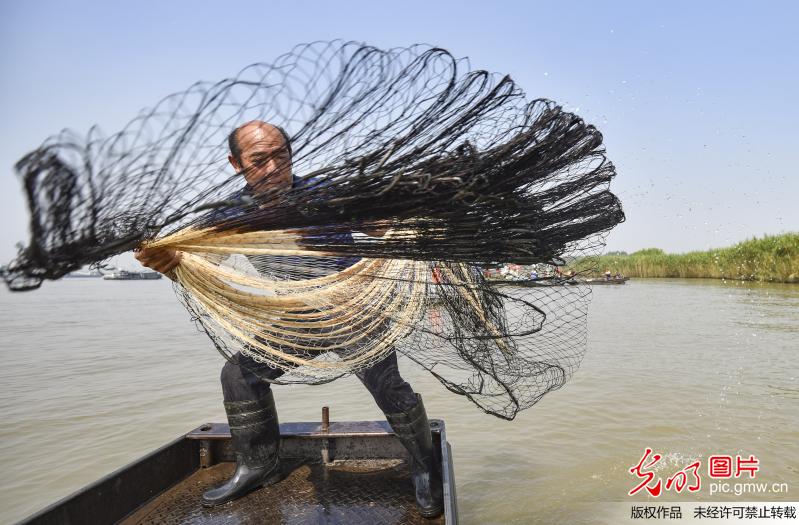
[[83, 274], [125, 275]]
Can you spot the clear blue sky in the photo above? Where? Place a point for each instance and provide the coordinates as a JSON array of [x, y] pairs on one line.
[[697, 100]]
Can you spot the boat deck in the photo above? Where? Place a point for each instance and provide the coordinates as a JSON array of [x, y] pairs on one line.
[[345, 472], [345, 492]]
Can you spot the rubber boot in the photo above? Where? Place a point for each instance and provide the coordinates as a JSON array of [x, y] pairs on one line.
[[255, 434], [413, 430]]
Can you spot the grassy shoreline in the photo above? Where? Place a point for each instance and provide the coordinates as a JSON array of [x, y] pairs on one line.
[[773, 258]]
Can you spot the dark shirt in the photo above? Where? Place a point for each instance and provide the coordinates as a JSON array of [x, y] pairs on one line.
[[293, 267]]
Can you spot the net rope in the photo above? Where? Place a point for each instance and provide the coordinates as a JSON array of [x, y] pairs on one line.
[[402, 177]]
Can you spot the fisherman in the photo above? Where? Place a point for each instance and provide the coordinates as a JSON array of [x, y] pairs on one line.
[[262, 153]]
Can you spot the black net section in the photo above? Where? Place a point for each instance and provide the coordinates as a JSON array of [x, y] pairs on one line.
[[343, 202]]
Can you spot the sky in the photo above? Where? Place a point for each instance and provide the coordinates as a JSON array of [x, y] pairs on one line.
[[696, 100]]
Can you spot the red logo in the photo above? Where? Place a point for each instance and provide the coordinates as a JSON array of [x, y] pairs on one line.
[[718, 466], [750, 465], [647, 476]]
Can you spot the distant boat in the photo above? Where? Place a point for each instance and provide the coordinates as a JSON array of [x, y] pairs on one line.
[[602, 280], [558, 281], [83, 274], [125, 275], [541, 281]]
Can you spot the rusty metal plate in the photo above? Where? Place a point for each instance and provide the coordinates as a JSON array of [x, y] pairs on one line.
[[348, 492]]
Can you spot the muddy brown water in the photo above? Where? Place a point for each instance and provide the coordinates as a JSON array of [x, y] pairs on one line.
[[97, 373]]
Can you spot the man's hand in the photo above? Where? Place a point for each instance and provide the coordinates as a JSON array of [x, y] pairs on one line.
[[375, 232], [378, 229], [159, 259]]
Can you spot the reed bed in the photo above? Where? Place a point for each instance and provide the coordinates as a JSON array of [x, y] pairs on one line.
[[772, 258]]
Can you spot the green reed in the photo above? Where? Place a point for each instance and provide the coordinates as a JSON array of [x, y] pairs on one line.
[[772, 258]]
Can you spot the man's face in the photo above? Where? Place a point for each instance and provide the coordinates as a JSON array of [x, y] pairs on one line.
[[265, 158]]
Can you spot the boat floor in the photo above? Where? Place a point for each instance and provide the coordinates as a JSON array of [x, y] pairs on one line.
[[348, 492]]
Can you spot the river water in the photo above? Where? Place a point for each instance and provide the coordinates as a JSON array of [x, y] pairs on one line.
[[97, 373]]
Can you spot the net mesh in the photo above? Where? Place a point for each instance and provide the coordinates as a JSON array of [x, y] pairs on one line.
[[366, 225]]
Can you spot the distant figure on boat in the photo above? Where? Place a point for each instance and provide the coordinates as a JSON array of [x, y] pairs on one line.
[[607, 275], [533, 275]]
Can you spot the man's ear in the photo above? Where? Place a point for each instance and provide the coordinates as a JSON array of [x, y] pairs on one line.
[[234, 163]]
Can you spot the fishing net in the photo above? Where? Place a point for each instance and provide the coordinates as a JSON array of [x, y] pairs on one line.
[[368, 224]]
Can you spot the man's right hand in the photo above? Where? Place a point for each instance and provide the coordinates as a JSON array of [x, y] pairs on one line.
[[159, 259]]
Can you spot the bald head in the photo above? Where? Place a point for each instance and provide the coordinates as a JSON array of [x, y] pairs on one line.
[[255, 128], [262, 153]]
